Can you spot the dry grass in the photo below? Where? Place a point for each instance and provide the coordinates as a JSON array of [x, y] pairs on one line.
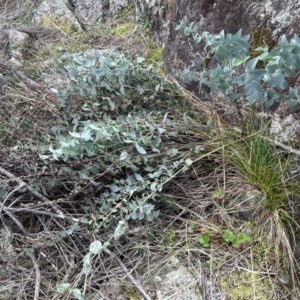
[[15, 12], [204, 201]]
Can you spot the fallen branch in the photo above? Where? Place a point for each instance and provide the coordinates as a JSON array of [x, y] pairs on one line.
[[36, 193], [37, 32], [135, 282], [6, 198], [285, 147], [19, 74], [37, 276], [42, 212], [17, 222]]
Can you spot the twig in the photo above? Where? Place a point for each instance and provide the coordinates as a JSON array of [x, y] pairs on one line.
[[6, 198], [48, 213], [70, 269], [17, 222], [37, 275], [285, 147], [6, 210], [33, 191], [135, 282], [19, 74]]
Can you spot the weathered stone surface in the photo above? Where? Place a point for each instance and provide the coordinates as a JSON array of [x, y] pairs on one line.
[[285, 129], [294, 28], [213, 16], [177, 283], [79, 12], [95, 11], [279, 14], [15, 41], [57, 8]]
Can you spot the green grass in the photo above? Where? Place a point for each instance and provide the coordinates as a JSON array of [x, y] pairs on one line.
[[260, 164]]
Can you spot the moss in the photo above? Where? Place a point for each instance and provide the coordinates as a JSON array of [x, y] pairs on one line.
[[244, 286], [57, 22], [156, 54], [260, 36], [130, 293], [155, 57], [123, 29]]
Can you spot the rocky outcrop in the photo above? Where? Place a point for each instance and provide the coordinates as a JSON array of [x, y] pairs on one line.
[[163, 15], [80, 13], [279, 17], [65, 16], [48, 10]]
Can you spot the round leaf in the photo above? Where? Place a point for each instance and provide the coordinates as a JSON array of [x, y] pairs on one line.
[[95, 247], [140, 149]]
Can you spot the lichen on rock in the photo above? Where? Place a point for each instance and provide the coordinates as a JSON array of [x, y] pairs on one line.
[[57, 22]]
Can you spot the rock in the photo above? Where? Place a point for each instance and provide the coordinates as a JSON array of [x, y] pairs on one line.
[[244, 201], [13, 41], [79, 13], [213, 16], [17, 40], [177, 283], [279, 15], [285, 129], [95, 11], [294, 28], [58, 9], [112, 290]]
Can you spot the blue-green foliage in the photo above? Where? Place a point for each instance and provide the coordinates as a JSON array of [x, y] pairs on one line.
[[130, 146], [238, 77], [110, 81]]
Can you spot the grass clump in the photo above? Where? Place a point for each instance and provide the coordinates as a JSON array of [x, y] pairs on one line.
[[260, 164], [257, 160]]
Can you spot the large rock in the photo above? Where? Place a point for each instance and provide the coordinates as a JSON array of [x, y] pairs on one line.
[[80, 13], [49, 10], [213, 16]]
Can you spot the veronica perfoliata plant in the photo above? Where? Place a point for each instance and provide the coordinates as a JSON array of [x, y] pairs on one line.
[[110, 81], [238, 76], [131, 149], [117, 126]]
